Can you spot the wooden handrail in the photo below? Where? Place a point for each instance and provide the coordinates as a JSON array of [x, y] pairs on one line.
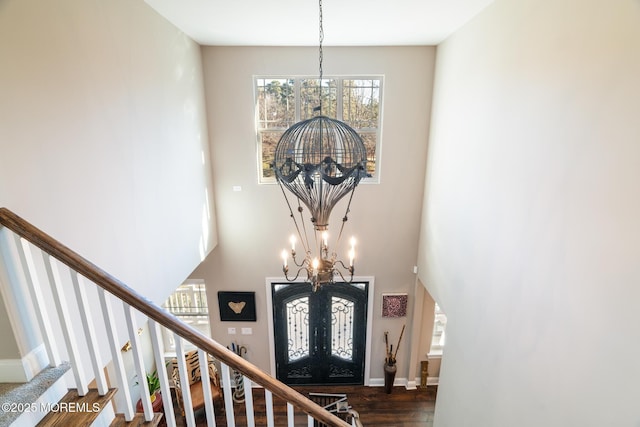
[[117, 288]]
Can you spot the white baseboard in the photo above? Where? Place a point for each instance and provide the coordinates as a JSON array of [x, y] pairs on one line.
[[52, 395], [35, 361], [430, 381], [411, 385], [24, 369], [399, 382], [379, 382]]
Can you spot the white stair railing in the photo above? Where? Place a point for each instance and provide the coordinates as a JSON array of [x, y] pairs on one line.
[[154, 330], [90, 333], [35, 291], [68, 332], [72, 300], [206, 389], [118, 363]]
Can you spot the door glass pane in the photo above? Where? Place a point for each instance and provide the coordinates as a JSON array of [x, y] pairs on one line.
[[342, 328], [298, 328], [361, 286]]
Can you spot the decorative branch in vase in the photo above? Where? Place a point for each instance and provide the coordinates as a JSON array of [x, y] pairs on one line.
[[390, 367], [390, 359]]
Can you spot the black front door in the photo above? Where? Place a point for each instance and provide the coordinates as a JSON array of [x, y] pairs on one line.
[[320, 336]]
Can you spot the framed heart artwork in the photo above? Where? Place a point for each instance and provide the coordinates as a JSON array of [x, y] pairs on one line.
[[237, 306]]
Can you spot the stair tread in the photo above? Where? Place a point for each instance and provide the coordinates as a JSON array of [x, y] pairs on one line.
[[138, 420], [77, 410]]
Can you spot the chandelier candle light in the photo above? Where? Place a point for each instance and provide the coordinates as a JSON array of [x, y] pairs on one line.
[[320, 160]]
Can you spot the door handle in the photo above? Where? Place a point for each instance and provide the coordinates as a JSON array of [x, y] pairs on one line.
[[324, 340], [315, 340]]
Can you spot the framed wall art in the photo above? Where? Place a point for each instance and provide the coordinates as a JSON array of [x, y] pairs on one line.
[[394, 305], [237, 306]]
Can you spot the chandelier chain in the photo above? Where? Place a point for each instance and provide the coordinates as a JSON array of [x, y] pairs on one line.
[[305, 164], [345, 218], [295, 222], [305, 241], [320, 55]]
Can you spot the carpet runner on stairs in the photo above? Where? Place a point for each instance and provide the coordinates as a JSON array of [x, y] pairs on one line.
[[14, 397]]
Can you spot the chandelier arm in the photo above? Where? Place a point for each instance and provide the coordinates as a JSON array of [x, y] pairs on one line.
[[342, 276], [286, 274], [304, 260], [343, 266]]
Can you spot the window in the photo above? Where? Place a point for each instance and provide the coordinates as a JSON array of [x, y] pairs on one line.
[[281, 102], [439, 326], [189, 304]]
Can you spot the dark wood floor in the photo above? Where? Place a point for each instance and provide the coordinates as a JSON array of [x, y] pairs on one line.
[[401, 408]]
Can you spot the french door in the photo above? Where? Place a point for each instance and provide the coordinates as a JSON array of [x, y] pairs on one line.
[[320, 336]]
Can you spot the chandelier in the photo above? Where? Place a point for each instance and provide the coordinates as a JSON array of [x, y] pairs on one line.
[[320, 160]]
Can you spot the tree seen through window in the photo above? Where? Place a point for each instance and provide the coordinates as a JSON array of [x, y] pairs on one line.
[[281, 102]]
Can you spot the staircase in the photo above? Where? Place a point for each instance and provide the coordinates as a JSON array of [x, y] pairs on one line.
[[77, 410], [97, 295]]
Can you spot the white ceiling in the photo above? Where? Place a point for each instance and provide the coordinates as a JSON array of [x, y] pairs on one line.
[[295, 22]]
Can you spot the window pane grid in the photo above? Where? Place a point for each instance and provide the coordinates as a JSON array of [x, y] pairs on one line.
[[276, 103], [309, 100], [268, 142], [282, 102], [361, 103]]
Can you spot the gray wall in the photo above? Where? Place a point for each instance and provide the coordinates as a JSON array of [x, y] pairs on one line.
[[530, 225], [254, 224], [9, 348], [103, 141], [103, 138]]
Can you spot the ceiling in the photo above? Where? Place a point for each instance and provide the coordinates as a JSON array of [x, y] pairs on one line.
[[295, 22]]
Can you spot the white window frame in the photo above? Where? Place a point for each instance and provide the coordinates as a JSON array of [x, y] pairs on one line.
[[375, 179], [198, 319], [439, 328]]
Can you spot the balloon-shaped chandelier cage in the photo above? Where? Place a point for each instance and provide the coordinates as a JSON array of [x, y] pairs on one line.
[[320, 160]]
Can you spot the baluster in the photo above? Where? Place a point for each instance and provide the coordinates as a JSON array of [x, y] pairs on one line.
[[228, 396], [35, 292], [116, 355], [60, 301], [203, 359], [290, 415], [355, 418], [158, 351], [268, 403], [138, 362], [310, 421], [248, 402], [89, 333], [185, 378]]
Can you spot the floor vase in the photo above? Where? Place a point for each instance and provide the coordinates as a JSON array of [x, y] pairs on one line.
[[389, 377]]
